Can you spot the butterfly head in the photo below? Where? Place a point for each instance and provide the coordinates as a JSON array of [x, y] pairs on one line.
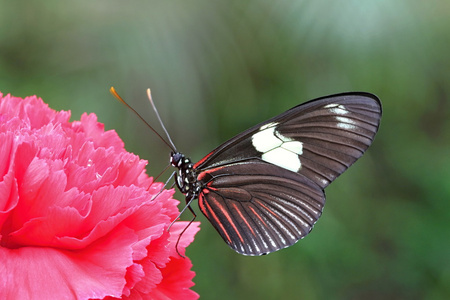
[[177, 159]]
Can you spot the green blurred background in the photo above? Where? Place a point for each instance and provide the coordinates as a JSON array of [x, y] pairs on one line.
[[219, 67]]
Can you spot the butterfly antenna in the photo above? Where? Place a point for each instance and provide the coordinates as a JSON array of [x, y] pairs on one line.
[[170, 145], [149, 95]]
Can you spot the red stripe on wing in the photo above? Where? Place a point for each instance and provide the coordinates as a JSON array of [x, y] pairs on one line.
[[203, 159], [243, 218], [208, 211], [258, 216], [213, 218]]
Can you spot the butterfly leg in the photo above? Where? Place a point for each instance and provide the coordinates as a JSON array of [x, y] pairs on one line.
[[194, 215], [164, 186]]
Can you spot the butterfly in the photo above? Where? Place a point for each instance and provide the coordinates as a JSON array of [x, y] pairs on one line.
[[263, 190]]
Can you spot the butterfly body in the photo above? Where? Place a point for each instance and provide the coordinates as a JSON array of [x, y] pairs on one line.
[[185, 178], [263, 190]]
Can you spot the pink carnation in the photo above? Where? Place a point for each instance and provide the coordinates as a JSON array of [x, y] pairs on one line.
[[76, 216]]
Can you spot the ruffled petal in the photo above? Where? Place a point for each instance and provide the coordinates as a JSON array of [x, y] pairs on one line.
[[79, 217]]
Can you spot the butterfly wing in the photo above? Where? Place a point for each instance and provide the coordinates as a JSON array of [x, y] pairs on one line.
[[319, 139], [263, 189], [259, 208]]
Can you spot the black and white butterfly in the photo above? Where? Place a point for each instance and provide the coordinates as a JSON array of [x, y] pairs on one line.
[[263, 190]]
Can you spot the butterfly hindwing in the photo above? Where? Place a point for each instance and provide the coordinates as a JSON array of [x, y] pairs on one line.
[[258, 208]]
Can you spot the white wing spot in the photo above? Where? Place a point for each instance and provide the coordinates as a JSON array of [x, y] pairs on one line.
[[293, 146], [338, 109], [265, 139], [283, 158], [278, 149], [346, 123], [273, 124], [343, 122]]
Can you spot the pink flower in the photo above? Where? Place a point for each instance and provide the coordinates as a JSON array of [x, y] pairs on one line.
[[76, 215]]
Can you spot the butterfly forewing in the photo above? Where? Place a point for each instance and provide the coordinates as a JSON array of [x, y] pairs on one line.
[[323, 137], [263, 189]]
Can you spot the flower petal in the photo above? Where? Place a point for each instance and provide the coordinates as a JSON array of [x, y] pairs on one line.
[[49, 273]]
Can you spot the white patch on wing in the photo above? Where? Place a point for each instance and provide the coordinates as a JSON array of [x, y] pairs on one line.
[[268, 125], [278, 149], [283, 158], [338, 109], [293, 146], [265, 139], [343, 122], [346, 123]]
